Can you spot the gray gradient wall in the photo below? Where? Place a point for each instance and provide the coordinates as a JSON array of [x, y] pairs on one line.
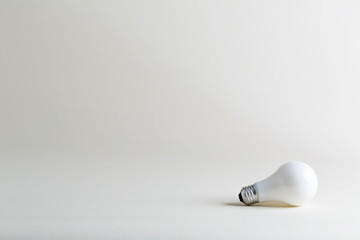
[[103, 102]]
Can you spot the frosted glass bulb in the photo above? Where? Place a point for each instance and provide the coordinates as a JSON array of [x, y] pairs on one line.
[[294, 183]]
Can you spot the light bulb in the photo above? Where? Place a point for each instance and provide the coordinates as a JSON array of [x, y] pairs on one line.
[[294, 183]]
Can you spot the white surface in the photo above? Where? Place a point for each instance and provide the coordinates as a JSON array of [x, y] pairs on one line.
[[143, 119]]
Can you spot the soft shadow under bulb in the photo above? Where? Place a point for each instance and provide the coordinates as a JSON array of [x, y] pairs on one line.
[[294, 183]]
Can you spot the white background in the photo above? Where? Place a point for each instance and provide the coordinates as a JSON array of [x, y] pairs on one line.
[[143, 119]]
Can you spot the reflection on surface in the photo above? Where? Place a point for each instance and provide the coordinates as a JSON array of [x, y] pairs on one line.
[[269, 204]]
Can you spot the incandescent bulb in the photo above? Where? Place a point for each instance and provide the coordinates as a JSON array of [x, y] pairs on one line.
[[294, 183]]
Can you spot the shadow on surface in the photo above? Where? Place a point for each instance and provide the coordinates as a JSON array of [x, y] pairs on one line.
[[263, 204]]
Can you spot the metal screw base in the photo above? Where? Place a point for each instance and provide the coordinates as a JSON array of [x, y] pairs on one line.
[[248, 195]]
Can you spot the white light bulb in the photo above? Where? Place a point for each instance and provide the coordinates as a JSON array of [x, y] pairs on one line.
[[294, 183]]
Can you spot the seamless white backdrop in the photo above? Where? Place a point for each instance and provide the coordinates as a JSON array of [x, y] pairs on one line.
[[143, 119]]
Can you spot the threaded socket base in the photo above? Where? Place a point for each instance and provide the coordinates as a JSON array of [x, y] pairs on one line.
[[248, 195]]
